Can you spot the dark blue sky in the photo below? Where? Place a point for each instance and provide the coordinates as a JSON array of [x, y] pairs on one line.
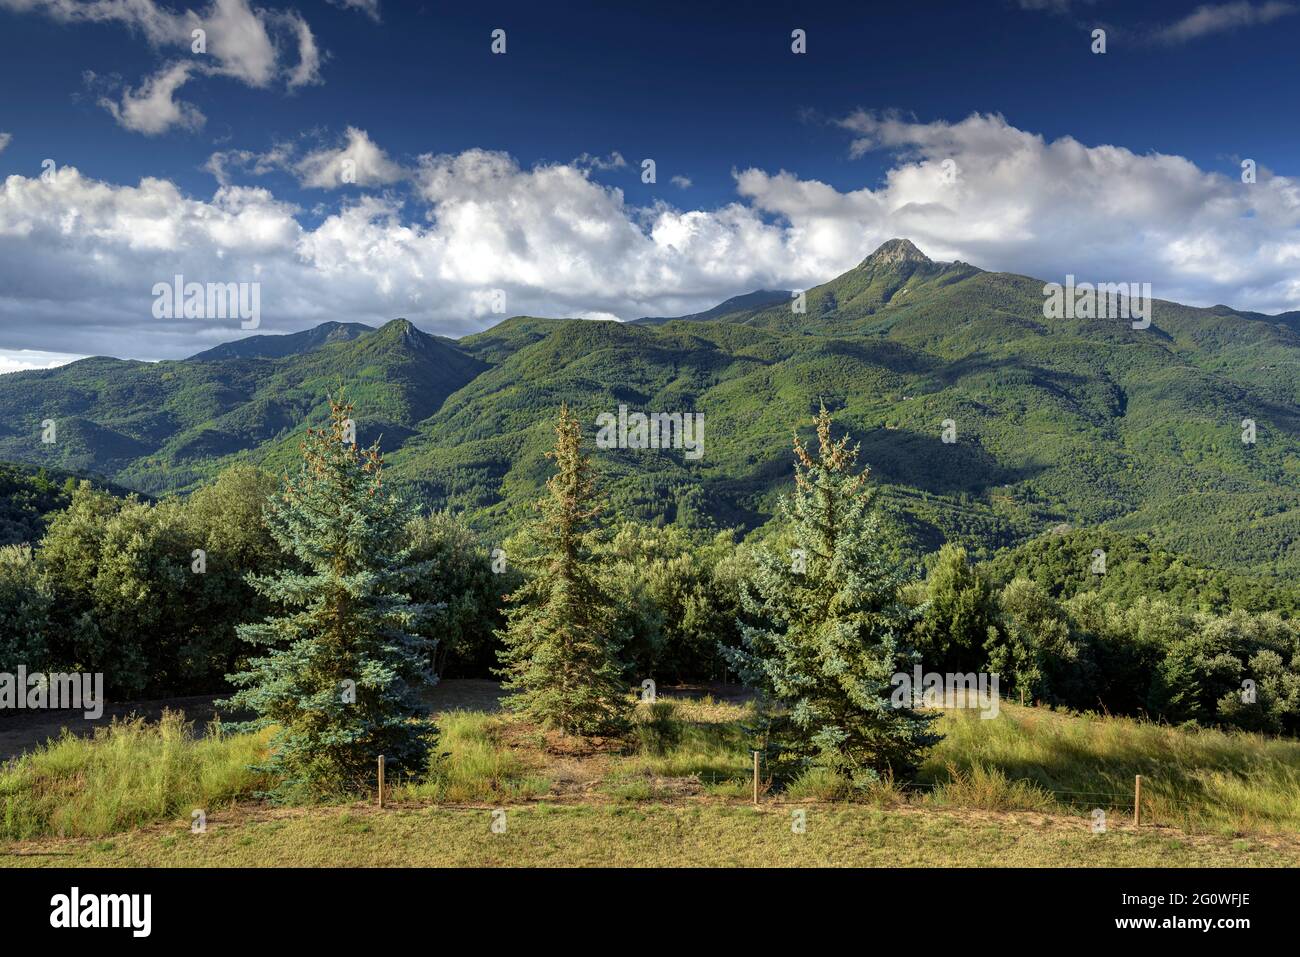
[[701, 87], [479, 200]]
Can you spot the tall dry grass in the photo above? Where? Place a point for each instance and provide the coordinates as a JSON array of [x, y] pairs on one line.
[[128, 774]]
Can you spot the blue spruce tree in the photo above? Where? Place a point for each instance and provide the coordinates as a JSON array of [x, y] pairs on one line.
[[825, 629], [339, 678]]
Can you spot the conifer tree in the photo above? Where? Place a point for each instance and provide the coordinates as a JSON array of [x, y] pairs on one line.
[[343, 664], [559, 659], [826, 629]]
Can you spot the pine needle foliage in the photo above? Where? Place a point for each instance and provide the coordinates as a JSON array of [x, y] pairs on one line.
[[824, 629], [559, 659], [343, 664]]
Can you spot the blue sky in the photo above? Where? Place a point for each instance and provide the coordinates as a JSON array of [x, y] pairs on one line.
[[521, 172]]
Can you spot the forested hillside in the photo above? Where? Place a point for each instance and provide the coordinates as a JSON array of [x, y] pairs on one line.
[[1085, 422], [28, 496]]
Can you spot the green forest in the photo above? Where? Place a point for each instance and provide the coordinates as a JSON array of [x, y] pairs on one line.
[[912, 472], [155, 595]]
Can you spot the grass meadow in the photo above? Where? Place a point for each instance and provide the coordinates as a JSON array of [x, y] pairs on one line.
[[1019, 789]]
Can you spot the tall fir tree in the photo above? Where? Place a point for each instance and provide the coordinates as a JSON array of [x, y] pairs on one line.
[[825, 629], [343, 666], [561, 639]]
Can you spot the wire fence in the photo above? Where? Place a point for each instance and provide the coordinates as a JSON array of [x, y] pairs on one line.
[[1112, 799], [1119, 798]]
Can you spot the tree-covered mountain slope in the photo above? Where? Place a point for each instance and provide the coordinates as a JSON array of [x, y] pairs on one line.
[[275, 347], [750, 302], [28, 495], [169, 425], [1084, 421]]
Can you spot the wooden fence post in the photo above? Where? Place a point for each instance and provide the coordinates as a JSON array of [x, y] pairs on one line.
[[381, 782], [1137, 801], [755, 779]]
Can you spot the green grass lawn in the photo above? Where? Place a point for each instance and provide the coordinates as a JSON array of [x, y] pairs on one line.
[[1016, 790], [646, 835]]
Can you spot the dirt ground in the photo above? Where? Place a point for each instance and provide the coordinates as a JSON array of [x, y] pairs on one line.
[[21, 731]]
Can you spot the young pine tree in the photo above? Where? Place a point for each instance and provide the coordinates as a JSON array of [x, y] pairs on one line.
[[560, 635], [827, 629], [339, 678]]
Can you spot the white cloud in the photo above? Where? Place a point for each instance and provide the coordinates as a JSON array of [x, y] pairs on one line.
[[20, 360], [156, 23], [614, 160], [239, 41], [1212, 18], [221, 163], [243, 42], [357, 161], [1019, 202], [354, 159], [681, 182], [78, 257], [307, 72], [153, 109], [5, 140]]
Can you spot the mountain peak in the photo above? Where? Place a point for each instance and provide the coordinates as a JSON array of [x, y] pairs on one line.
[[402, 329], [402, 334], [895, 252]]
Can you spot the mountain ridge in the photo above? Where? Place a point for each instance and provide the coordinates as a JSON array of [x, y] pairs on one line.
[[1086, 421], [278, 346]]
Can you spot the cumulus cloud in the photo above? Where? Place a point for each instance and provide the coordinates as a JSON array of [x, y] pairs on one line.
[[681, 182], [242, 42], [78, 257], [1212, 18], [223, 164], [354, 160], [5, 140], [153, 108], [357, 161], [1004, 198], [95, 251]]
